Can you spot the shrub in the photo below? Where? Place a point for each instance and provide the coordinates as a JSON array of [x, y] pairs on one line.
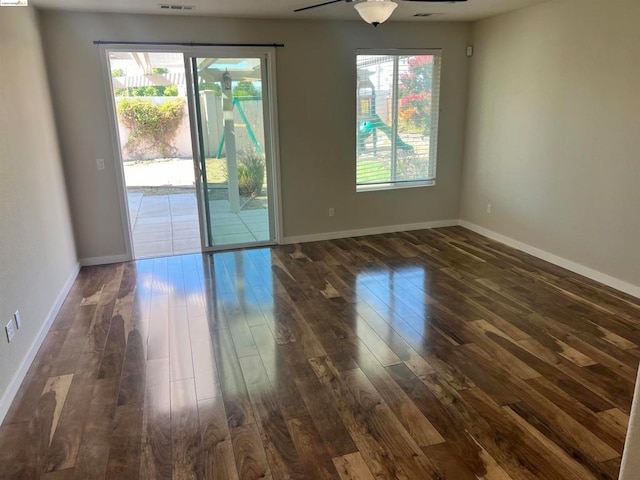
[[215, 87], [251, 167], [171, 91], [148, 91], [152, 128], [414, 113]]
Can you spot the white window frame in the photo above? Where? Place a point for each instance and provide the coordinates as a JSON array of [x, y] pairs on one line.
[[435, 119]]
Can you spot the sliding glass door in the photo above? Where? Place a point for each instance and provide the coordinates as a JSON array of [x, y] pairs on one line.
[[232, 116]]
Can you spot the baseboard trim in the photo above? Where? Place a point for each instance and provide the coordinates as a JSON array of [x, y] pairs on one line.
[[91, 261], [318, 237], [11, 391], [580, 269]]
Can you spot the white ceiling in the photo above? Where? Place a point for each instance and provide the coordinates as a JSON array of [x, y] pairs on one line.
[[469, 11]]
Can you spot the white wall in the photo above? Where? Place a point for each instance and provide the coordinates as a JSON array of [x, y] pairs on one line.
[[37, 252], [316, 95], [553, 137]]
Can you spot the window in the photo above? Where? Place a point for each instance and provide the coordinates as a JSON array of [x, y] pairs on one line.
[[398, 105]]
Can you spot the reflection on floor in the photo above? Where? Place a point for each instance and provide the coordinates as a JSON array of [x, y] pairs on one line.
[[168, 224]]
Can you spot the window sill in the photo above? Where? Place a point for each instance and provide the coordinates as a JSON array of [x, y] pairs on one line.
[[394, 186]]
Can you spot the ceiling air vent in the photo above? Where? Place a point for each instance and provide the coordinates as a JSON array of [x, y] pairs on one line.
[[424, 14], [169, 6]]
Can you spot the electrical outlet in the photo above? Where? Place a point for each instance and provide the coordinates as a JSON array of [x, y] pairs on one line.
[[100, 163], [488, 208], [10, 331], [16, 317], [332, 212]]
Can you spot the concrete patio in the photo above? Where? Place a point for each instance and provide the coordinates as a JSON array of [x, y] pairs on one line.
[[168, 224]]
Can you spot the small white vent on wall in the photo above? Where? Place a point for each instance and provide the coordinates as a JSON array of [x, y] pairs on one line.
[[169, 6]]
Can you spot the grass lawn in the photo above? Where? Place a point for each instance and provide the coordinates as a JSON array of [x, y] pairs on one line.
[[373, 170], [216, 170]]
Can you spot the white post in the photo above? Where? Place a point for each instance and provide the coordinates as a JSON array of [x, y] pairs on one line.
[[230, 144]]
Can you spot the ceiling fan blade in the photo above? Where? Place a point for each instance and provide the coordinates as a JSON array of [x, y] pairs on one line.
[[318, 5]]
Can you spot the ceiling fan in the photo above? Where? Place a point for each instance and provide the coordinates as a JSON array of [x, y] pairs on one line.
[[374, 12]]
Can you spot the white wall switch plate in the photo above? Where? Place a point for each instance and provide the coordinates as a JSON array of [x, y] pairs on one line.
[[100, 163], [10, 331], [16, 317]]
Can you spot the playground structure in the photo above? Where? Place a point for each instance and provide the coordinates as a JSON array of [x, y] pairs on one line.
[[238, 107], [369, 122], [216, 71]]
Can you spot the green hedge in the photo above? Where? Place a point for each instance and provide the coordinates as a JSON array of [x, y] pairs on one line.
[[148, 91]]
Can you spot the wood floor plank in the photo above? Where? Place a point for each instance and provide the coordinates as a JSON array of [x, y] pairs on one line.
[[238, 326], [596, 423], [281, 452], [91, 463], [300, 329], [100, 324], [234, 391], [559, 452], [187, 456], [59, 387], [449, 464], [67, 474], [132, 380], [156, 456], [531, 457], [66, 440], [564, 380], [205, 368], [416, 424], [314, 457], [124, 449], [74, 342], [444, 410], [251, 459], [616, 421], [352, 467], [216, 440], [323, 410], [380, 437], [180, 344], [113, 353], [284, 387], [158, 327]]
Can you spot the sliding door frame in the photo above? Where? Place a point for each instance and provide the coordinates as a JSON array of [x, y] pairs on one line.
[[272, 136]]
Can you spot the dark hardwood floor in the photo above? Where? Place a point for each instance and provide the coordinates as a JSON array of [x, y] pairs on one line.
[[435, 354]]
